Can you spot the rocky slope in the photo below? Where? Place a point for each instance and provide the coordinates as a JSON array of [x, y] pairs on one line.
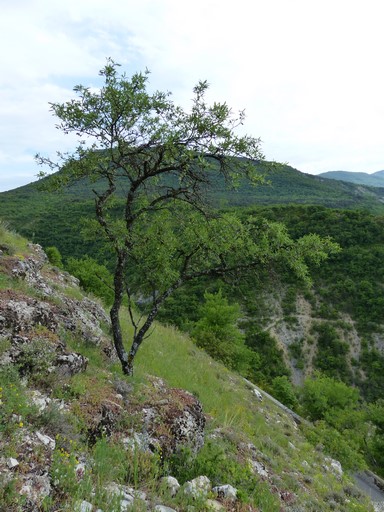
[[75, 434]]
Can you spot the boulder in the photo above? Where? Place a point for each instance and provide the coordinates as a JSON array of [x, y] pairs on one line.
[[21, 314], [225, 491], [198, 487], [175, 420], [170, 484]]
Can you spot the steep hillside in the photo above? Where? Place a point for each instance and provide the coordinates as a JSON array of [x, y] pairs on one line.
[[75, 434]]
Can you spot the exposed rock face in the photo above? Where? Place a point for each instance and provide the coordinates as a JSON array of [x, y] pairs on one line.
[[33, 325], [21, 313], [175, 419]]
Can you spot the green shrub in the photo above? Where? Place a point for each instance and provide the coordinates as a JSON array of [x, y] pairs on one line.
[[93, 276], [218, 334], [321, 395], [54, 256], [283, 391], [15, 409]]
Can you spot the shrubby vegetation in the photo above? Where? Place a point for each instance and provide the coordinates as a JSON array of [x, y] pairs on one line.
[[217, 332], [93, 276]]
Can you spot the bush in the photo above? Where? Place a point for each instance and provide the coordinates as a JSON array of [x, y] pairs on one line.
[[283, 391], [54, 256], [93, 277], [217, 333], [321, 396]]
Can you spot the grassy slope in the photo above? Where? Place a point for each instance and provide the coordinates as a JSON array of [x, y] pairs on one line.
[[294, 466]]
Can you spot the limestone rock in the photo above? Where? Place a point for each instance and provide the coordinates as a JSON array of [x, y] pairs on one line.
[[333, 466], [46, 440], [22, 313], [182, 416], [225, 491], [83, 506], [198, 487], [171, 484], [70, 364], [258, 467], [258, 395], [36, 487], [12, 463]]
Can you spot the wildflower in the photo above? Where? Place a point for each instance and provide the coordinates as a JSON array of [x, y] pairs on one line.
[[21, 424]]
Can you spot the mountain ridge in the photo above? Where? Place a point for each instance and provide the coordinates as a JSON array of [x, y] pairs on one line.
[[375, 179]]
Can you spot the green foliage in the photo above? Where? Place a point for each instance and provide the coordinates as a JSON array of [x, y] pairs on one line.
[[93, 276], [321, 396], [54, 256], [10, 497], [218, 461], [15, 409], [218, 334], [109, 462], [339, 447], [352, 281], [283, 391], [372, 364], [271, 362], [35, 358], [375, 414], [331, 352]]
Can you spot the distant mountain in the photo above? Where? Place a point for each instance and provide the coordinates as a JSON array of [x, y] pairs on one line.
[[375, 179]]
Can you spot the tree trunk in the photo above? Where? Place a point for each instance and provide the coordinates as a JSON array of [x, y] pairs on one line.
[[114, 314]]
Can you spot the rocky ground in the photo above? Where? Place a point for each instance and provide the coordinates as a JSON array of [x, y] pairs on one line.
[[53, 429]]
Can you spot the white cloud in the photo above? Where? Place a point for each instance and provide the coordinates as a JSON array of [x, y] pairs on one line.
[[309, 74]]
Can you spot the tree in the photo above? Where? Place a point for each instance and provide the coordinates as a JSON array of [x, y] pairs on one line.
[[93, 277], [150, 164], [217, 332]]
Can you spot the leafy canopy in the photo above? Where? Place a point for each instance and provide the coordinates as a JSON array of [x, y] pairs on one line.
[[160, 159]]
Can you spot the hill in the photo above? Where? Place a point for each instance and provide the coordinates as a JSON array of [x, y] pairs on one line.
[[375, 179], [53, 218], [76, 435]]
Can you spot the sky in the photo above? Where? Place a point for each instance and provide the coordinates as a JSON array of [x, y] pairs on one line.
[[308, 73]]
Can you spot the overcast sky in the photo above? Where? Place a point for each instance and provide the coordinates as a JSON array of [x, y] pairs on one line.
[[308, 73]]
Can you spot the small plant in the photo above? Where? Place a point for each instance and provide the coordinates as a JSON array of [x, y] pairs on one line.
[[14, 410], [36, 358], [109, 462], [283, 391], [70, 480], [54, 256], [10, 498]]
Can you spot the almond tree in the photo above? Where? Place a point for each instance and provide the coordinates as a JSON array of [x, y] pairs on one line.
[[150, 164]]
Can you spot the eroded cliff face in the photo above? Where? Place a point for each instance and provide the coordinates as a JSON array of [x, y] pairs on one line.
[[297, 335]]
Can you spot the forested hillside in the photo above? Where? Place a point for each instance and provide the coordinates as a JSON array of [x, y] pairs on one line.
[[28, 208]]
